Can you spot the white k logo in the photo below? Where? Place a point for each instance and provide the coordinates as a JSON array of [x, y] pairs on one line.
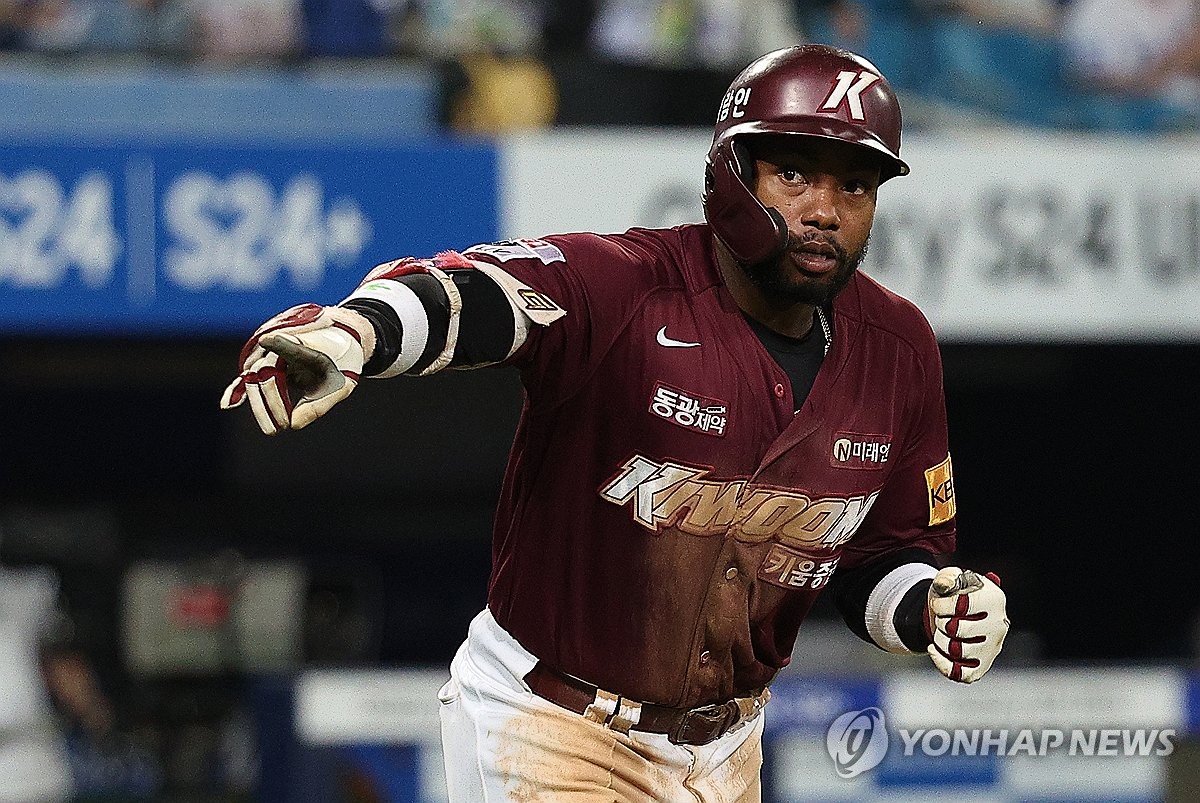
[[671, 342], [849, 90]]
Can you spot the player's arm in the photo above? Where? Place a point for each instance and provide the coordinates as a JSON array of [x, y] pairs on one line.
[[883, 601], [409, 316], [895, 588], [460, 314]]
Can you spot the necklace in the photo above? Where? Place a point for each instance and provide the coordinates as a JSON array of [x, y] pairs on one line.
[[824, 330]]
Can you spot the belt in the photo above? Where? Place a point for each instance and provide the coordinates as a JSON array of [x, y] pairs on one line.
[[691, 726]]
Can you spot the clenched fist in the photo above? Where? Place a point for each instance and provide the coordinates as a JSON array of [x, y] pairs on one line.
[[299, 364], [967, 622]]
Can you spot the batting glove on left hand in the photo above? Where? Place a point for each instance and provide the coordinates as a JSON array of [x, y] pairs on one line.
[[300, 364], [967, 622]]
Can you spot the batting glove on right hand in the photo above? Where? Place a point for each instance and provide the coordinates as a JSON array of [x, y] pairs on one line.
[[300, 364], [967, 622]]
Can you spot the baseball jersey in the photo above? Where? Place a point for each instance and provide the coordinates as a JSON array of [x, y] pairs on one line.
[[667, 518]]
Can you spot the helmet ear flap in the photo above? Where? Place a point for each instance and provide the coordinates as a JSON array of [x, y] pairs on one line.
[[743, 162], [750, 231], [746, 168], [781, 227]]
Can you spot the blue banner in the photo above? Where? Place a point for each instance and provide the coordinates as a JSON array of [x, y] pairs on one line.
[[808, 705], [167, 239]]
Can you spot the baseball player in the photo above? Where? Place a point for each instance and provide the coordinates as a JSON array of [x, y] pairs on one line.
[[721, 421]]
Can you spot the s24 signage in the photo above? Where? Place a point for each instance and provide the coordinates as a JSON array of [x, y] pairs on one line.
[[49, 228], [183, 239], [241, 234]]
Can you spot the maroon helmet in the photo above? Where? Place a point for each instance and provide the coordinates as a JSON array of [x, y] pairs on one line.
[[812, 91]]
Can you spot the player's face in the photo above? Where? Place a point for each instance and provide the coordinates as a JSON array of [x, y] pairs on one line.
[[826, 191]]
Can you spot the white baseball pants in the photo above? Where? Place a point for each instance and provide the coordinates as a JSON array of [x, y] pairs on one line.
[[504, 743]]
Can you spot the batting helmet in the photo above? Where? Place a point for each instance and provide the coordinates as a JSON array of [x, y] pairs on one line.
[[811, 91]]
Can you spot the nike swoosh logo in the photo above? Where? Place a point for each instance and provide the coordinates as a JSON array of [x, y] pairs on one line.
[[669, 342]]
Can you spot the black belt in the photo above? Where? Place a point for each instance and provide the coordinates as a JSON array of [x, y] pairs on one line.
[[691, 726]]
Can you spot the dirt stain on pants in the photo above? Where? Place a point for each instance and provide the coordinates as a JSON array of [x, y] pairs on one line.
[[551, 755]]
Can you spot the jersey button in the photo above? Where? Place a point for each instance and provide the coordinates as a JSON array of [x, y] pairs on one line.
[[731, 573], [705, 657], [779, 390]]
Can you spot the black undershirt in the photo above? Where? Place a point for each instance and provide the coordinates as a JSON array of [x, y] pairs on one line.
[[799, 357]]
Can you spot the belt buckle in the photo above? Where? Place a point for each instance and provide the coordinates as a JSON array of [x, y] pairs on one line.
[[699, 726]]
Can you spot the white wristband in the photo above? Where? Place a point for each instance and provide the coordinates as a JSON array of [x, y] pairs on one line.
[[414, 321], [886, 598]]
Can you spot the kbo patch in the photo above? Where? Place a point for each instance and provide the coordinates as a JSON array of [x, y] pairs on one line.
[[940, 482]]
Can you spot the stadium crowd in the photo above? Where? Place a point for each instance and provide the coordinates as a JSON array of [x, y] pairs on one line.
[[1078, 64]]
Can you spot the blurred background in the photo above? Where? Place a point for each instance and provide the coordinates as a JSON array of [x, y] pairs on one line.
[[192, 611]]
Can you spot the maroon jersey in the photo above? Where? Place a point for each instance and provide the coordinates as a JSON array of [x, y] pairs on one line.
[[667, 518]]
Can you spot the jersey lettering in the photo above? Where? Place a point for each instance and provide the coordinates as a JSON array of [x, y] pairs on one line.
[[848, 89], [789, 569], [640, 481], [666, 494]]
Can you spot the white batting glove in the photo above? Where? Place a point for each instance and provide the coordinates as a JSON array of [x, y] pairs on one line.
[[967, 622], [299, 364]]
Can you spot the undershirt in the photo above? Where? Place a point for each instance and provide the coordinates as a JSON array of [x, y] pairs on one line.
[[799, 357]]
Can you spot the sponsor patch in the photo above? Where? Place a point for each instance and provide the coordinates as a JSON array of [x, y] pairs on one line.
[[525, 248], [789, 569], [856, 450], [689, 411], [734, 103], [940, 481]]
